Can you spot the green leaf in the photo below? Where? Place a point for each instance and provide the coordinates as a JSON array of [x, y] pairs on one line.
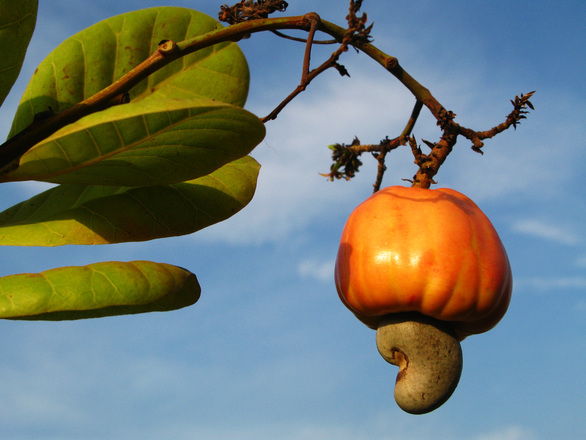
[[78, 214], [151, 142], [97, 290], [94, 58], [180, 124], [17, 23]]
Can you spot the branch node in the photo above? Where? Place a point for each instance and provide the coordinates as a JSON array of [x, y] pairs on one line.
[[168, 48], [311, 17], [391, 63]]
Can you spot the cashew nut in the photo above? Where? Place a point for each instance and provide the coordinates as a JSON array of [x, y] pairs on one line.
[[429, 358]]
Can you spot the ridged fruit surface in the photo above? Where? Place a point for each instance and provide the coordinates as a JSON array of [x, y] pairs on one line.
[[422, 250]]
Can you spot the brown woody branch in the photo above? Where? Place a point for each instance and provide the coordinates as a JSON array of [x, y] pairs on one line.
[[520, 104], [167, 52], [429, 164], [356, 35], [356, 32]]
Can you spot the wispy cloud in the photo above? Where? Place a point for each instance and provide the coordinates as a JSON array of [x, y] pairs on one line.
[[322, 271], [509, 433], [547, 230], [290, 192], [543, 284]]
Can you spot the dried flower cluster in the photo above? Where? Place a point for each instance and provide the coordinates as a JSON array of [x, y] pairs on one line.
[[357, 30], [520, 104], [250, 10], [345, 157], [346, 162]]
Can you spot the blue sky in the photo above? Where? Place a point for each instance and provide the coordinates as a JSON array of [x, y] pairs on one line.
[[269, 352]]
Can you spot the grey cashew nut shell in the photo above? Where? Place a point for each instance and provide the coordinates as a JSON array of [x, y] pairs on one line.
[[429, 358]]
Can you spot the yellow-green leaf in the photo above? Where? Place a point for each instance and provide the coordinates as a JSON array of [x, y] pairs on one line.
[[94, 58], [79, 214], [150, 142], [97, 290]]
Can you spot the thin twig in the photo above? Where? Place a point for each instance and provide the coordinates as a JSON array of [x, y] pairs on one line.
[[356, 32], [380, 170], [307, 58], [395, 143], [412, 119], [302, 40], [520, 104], [308, 75]]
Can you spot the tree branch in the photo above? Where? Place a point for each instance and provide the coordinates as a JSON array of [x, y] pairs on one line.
[[167, 52], [356, 35]]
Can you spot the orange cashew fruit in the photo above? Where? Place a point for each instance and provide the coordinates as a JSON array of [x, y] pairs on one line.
[[426, 268]]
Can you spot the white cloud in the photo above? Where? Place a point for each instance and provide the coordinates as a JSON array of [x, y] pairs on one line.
[[509, 433], [543, 284], [29, 398], [547, 230], [322, 271], [290, 191], [282, 431]]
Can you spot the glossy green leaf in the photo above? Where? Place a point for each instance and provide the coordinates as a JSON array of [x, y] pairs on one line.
[[94, 58], [78, 214], [17, 23], [97, 290], [151, 142]]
